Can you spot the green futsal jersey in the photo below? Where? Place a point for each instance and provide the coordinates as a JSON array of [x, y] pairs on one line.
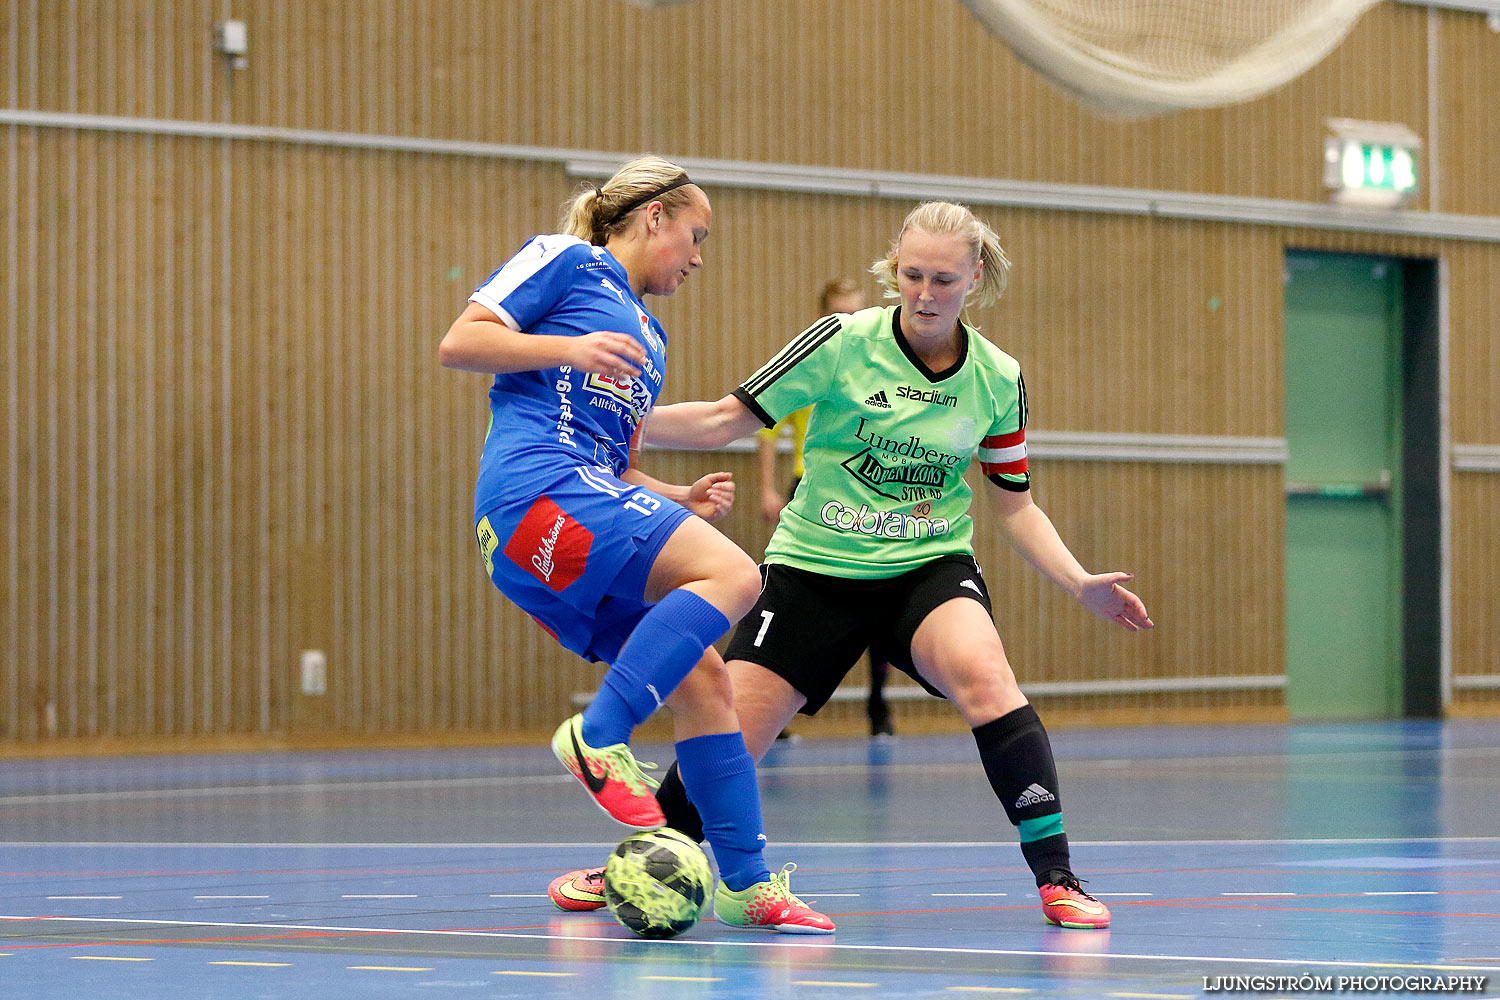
[[888, 443]]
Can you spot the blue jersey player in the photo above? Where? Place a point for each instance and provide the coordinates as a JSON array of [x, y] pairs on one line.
[[610, 562]]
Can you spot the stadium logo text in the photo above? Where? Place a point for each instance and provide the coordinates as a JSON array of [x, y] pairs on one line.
[[927, 396]]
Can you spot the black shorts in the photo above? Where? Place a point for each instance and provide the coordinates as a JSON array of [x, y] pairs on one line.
[[810, 629]]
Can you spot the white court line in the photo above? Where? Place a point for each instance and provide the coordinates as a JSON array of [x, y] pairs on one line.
[[518, 895], [231, 897], [141, 794], [1258, 894], [922, 769], [379, 895], [986, 895], [1408, 892], [820, 944], [85, 897]]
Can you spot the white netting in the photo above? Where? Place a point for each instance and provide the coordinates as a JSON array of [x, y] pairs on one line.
[[1136, 58]]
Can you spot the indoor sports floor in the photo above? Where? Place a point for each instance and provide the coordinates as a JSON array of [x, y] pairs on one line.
[[1268, 855]]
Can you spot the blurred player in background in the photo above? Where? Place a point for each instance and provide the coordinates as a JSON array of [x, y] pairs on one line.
[[841, 295], [609, 561], [875, 551]]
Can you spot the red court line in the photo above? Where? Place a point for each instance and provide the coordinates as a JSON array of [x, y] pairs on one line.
[[1261, 903], [917, 868], [117, 874], [1341, 895], [296, 935], [1342, 871], [1258, 904]]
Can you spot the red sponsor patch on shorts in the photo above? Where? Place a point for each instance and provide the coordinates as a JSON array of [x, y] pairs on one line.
[[550, 545]]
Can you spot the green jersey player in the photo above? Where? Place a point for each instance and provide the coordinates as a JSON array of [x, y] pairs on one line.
[[876, 549]]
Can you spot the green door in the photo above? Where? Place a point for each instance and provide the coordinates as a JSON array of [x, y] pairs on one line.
[[1343, 430]]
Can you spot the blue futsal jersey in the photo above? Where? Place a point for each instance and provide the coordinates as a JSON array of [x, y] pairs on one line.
[[561, 535], [541, 421]]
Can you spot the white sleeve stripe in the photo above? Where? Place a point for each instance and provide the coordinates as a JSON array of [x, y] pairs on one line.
[[519, 269], [1002, 456], [483, 299]]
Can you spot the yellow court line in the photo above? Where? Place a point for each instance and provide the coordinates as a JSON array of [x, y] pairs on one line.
[[260, 965], [387, 968], [108, 958], [523, 972], [824, 982], [989, 989], [685, 979]]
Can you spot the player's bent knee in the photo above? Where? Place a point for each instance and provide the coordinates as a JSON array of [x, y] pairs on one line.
[[741, 582], [985, 688]]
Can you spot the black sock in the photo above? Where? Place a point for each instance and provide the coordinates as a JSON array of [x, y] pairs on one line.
[[681, 814], [1017, 758]]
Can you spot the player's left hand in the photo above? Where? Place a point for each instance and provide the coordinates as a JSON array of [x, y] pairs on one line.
[[1104, 597], [712, 496]]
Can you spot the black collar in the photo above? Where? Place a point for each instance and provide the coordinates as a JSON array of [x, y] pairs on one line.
[[918, 363]]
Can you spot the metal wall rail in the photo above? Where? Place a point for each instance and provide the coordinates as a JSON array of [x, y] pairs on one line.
[[835, 180]]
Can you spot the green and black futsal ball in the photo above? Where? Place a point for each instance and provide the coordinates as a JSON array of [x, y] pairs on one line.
[[657, 883]]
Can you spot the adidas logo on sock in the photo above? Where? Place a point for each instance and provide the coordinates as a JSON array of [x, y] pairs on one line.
[[1034, 795], [879, 400]]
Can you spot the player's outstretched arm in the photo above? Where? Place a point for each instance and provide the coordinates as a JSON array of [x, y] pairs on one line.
[[700, 425], [1035, 538], [710, 497], [479, 342]]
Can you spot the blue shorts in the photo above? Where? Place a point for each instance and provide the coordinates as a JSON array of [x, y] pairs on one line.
[[574, 553]]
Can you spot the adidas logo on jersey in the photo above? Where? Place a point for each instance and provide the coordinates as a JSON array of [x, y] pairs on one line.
[[1034, 795], [879, 400]]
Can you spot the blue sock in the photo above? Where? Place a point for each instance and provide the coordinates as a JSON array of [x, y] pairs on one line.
[[719, 775], [667, 642]]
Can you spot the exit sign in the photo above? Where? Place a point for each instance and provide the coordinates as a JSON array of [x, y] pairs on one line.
[[1370, 163]]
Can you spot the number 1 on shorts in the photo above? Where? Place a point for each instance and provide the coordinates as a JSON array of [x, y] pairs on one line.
[[765, 623]]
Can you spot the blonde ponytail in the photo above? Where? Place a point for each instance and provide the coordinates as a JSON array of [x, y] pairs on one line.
[[595, 213]]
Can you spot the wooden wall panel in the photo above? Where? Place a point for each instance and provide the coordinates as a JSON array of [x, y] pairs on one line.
[[853, 83], [1469, 139], [227, 439], [1474, 362], [117, 422], [1476, 551]]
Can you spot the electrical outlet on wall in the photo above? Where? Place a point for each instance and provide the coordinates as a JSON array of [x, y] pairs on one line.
[[314, 672]]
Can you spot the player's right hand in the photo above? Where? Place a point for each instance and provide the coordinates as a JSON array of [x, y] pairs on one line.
[[603, 352]]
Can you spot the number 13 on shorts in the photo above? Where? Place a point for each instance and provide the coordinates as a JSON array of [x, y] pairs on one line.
[[643, 503]]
